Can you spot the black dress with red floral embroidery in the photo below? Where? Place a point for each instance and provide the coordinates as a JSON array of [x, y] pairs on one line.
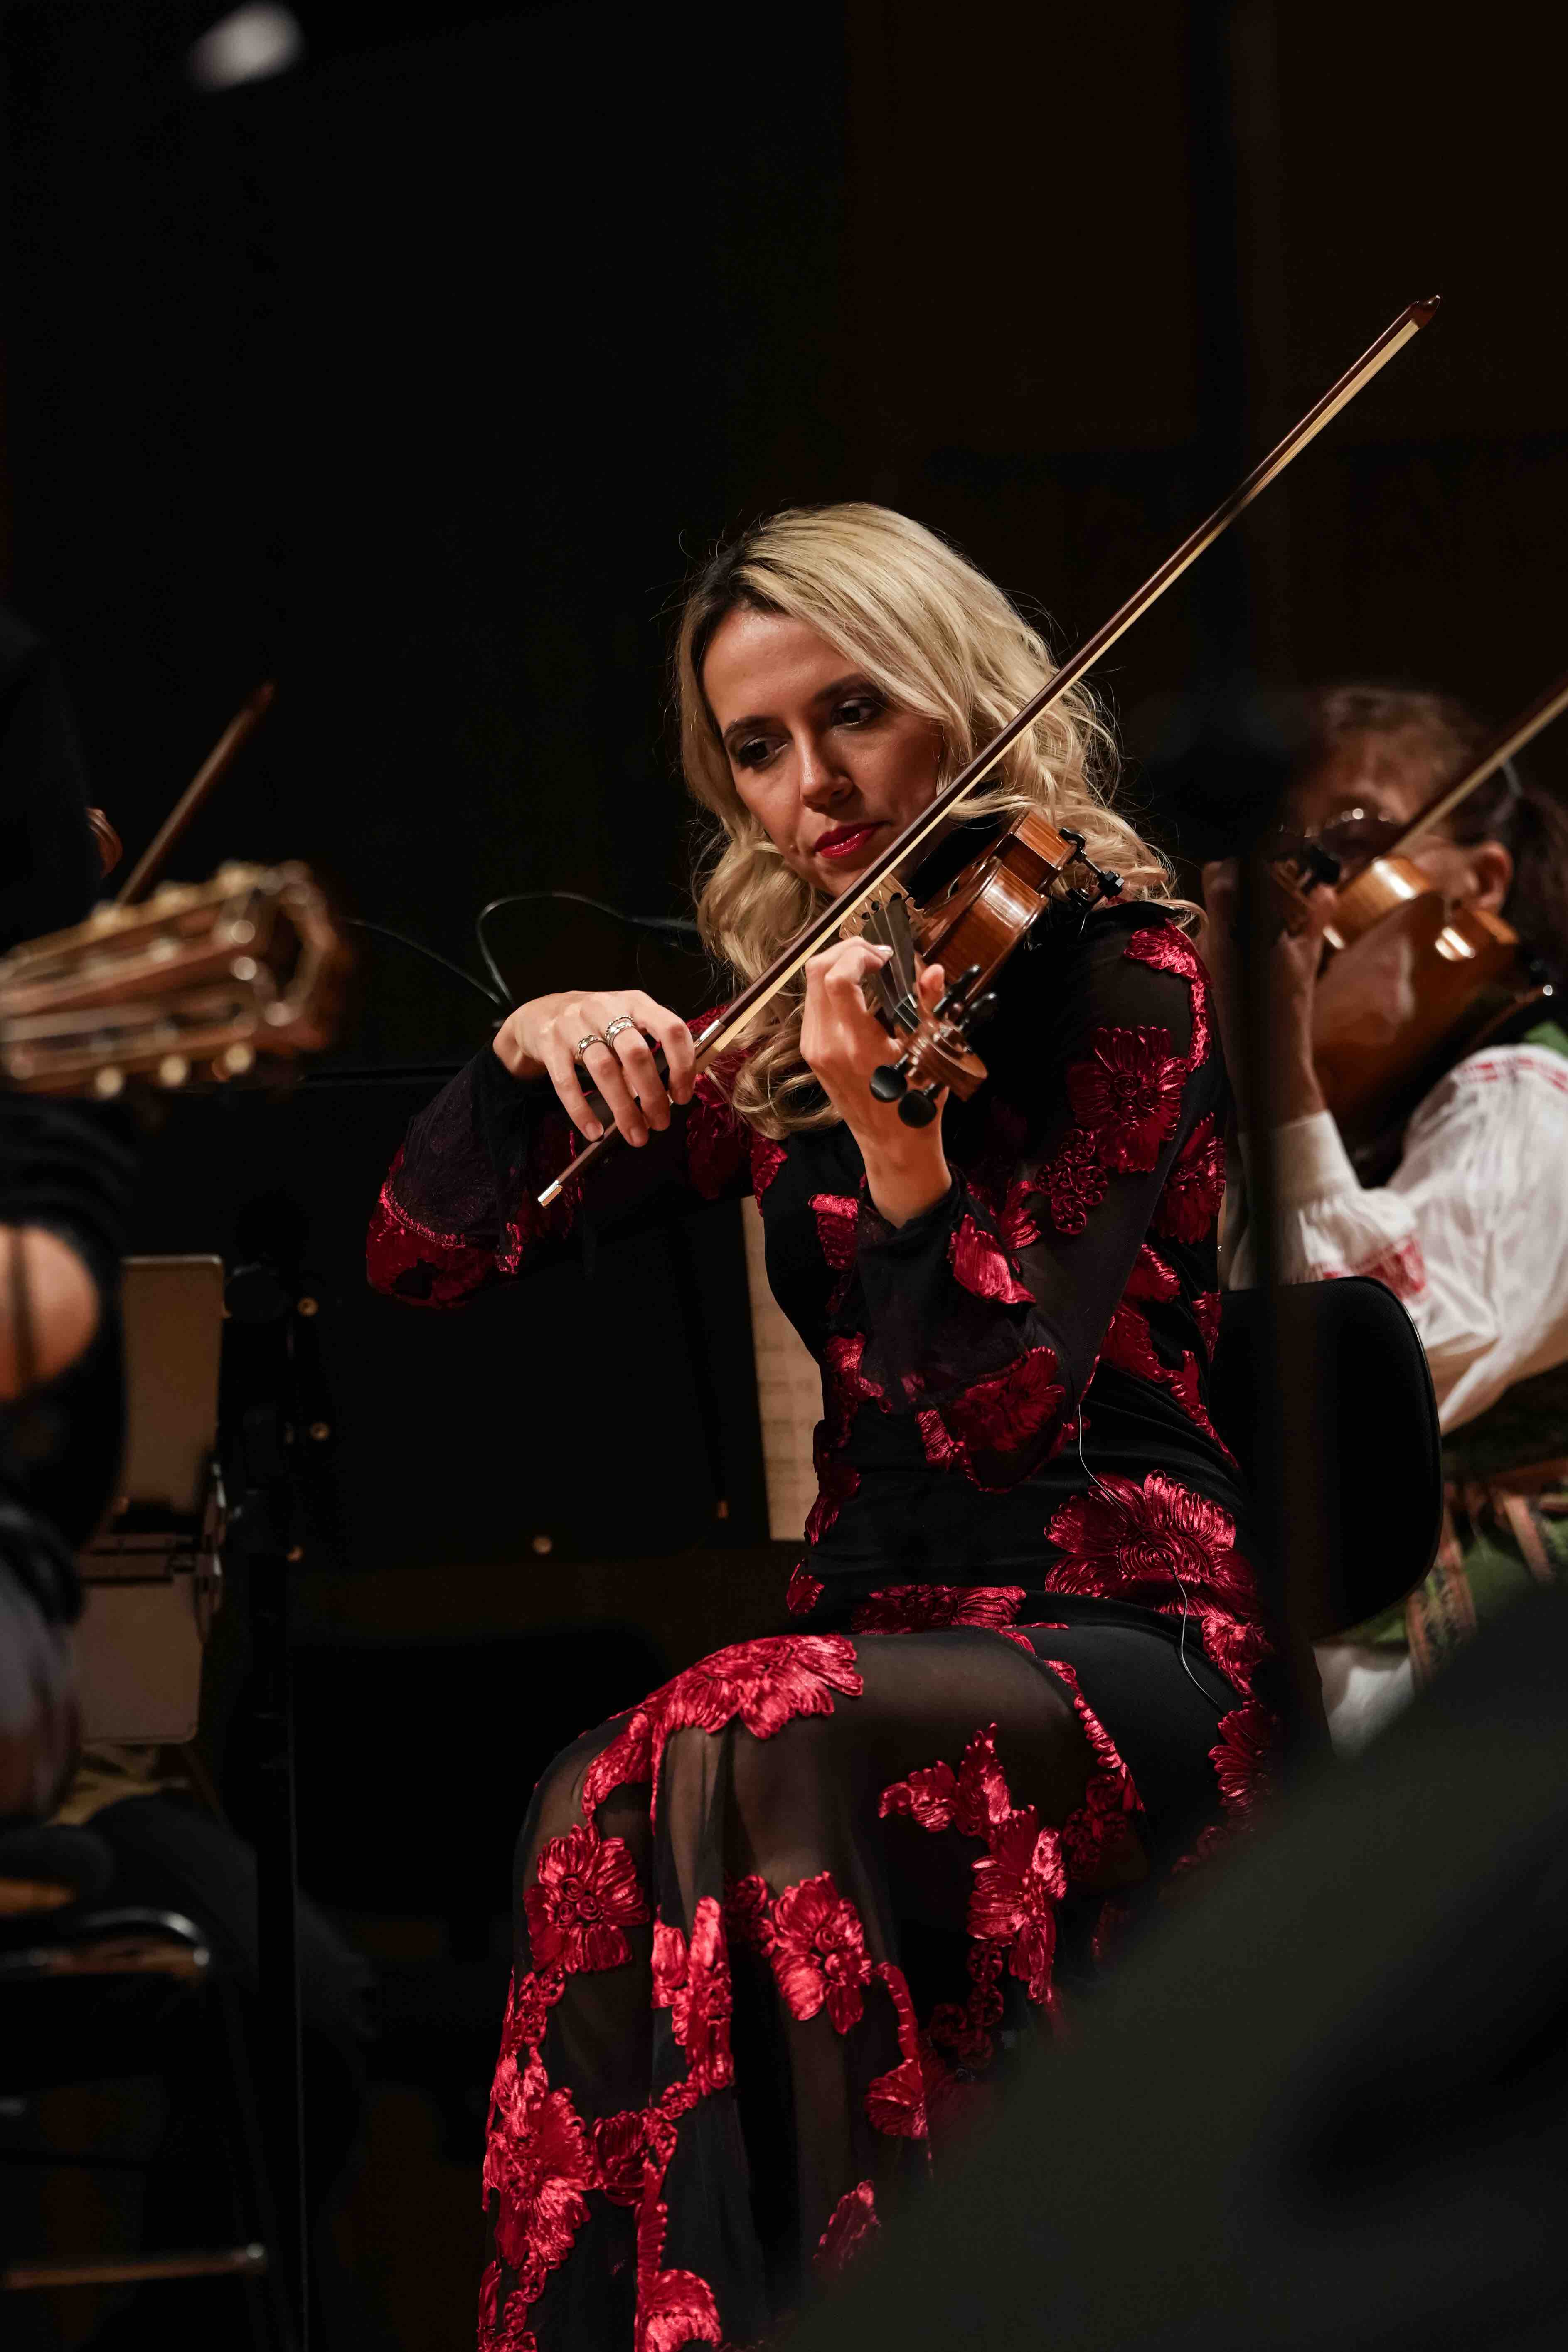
[[777, 1927]]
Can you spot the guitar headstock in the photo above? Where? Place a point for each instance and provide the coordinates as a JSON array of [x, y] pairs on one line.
[[196, 986]]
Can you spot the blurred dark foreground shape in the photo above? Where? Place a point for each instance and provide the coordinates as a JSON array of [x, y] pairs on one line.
[[1328, 2105]]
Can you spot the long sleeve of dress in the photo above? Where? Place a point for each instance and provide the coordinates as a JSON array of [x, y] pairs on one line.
[[986, 1317], [460, 1209], [1471, 1230]]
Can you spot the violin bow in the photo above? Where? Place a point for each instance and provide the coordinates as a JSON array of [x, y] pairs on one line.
[[1513, 738], [215, 766], [727, 1025]]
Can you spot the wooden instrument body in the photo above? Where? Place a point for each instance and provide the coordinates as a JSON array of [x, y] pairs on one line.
[[201, 983], [1409, 983], [974, 923]]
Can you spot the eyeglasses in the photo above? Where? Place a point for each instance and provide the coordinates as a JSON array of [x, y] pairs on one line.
[[1354, 836]]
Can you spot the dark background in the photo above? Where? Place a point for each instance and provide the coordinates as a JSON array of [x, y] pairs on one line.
[[416, 378]]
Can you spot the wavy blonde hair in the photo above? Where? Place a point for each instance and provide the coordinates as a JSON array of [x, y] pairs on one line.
[[938, 638]]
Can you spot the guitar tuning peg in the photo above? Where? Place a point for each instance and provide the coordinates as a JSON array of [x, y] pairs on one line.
[[174, 1070], [108, 1083]]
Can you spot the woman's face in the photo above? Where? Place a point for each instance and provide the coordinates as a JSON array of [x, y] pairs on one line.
[[1369, 785], [818, 755]]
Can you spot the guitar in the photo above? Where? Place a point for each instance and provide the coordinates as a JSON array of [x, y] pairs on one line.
[[196, 986]]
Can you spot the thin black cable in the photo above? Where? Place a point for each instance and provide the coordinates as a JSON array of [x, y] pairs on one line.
[[576, 898], [386, 931]]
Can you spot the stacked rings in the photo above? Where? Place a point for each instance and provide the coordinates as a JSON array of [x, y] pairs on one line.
[[583, 1042], [613, 1028]]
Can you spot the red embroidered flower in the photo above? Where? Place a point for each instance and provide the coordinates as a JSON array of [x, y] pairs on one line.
[[836, 1483], [1124, 1536], [620, 2151], [1130, 1346], [1073, 1184], [501, 2331], [895, 2101], [980, 1264], [1128, 1091], [973, 1799], [586, 1893], [538, 2163], [628, 1757], [766, 1682], [674, 2307], [767, 1158], [418, 1265], [851, 2222], [1236, 1645], [748, 1912], [1003, 1420], [1152, 1278], [528, 2005], [804, 1590], [818, 1952], [1013, 1899], [1169, 950], [1188, 1205], [1098, 1838], [692, 1981], [917, 1608], [838, 1215], [967, 2030], [1246, 1756]]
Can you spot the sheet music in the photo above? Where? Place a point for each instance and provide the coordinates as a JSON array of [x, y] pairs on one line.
[[789, 1395]]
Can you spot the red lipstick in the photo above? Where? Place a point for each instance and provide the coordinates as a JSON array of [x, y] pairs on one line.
[[845, 839]]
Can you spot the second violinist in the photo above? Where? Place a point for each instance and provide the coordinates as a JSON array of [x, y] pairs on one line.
[[1465, 1215], [774, 1926]]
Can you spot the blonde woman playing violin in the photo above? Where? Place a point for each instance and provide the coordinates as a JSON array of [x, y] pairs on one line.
[[802, 1898]]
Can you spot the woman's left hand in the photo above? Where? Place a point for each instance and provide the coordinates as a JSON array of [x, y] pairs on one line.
[[843, 1042]]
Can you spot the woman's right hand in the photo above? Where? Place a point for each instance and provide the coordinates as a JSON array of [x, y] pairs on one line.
[[550, 1038]]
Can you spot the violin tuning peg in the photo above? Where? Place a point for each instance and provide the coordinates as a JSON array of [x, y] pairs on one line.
[[983, 1008], [889, 1083], [918, 1107], [955, 993]]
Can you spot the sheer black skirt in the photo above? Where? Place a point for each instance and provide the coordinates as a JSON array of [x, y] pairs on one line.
[[778, 1929]]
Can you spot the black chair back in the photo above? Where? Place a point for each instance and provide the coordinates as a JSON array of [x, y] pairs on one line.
[[1382, 1463]]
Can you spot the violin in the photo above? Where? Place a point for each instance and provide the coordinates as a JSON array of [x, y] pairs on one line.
[[979, 917], [1412, 981], [970, 927]]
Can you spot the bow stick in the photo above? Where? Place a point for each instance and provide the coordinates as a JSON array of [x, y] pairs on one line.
[[1513, 738], [727, 1025], [216, 764]]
